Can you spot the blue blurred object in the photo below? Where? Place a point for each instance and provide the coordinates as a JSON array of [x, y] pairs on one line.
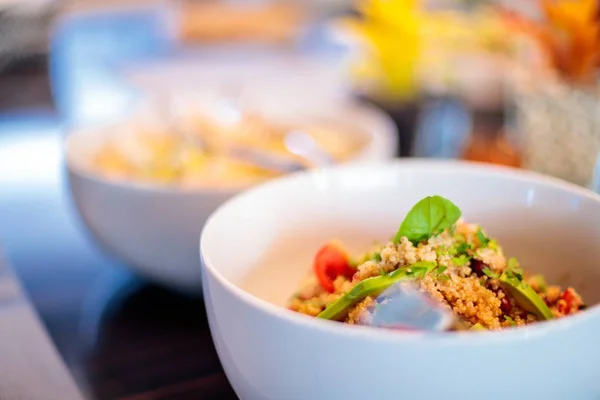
[[89, 51], [86, 50], [443, 130]]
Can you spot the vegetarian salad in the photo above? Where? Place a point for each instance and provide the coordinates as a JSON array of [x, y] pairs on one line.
[[451, 261]]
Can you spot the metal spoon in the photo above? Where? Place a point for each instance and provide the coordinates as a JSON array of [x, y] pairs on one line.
[[304, 145], [296, 142], [230, 110], [405, 307], [268, 161]]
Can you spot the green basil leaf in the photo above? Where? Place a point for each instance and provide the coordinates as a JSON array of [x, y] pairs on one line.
[[429, 217]]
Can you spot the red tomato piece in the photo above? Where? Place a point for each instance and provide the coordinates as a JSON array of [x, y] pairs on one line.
[[568, 296], [330, 262]]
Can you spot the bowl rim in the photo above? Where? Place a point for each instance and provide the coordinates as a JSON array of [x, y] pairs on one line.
[[383, 139], [375, 334]]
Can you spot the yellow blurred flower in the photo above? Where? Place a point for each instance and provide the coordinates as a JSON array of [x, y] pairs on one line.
[[400, 37], [390, 29]]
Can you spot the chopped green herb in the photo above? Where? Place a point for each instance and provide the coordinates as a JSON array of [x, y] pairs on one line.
[[515, 275], [376, 257], [421, 268], [491, 274], [429, 217], [452, 229], [459, 237], [460, 261], [463, 247], [513, 271], [453, 250], [512, 263], [492, 244], [509, 319], [440, 270], [443, 277], [512, 279], [483, 240], [441, 251]]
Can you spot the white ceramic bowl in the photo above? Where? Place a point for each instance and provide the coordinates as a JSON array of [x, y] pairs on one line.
[[156, 229], [257, 247]]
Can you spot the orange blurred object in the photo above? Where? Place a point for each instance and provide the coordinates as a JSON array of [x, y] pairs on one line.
[[489, 143], [493, 149], [569, 35], [222, 21]]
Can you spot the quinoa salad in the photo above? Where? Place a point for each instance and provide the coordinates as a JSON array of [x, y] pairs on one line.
[[453, 262]]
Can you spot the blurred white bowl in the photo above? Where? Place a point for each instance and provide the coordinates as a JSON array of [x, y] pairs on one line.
[[156, 229], [271, 353]]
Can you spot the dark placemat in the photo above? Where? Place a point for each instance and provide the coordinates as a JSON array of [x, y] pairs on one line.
[[25, 85]]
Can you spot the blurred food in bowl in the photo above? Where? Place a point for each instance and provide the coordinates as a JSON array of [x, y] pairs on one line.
[[196, 150], [215, 21], [148, 218]]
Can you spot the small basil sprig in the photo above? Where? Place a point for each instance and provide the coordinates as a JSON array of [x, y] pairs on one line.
[[427, 218]]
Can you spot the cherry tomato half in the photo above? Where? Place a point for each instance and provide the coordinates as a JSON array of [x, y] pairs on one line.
[[330, 262]]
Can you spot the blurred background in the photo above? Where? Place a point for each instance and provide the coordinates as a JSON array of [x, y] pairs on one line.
[[510, 82]]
